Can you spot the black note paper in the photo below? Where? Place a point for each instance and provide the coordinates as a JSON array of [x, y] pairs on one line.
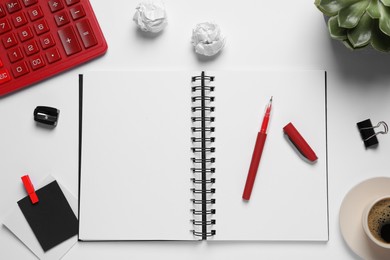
[[51, 219]]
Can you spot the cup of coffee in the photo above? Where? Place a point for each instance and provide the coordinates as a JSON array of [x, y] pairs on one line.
[[376, 221]]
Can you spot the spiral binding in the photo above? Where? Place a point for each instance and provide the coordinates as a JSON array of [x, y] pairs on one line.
[[203, 160]]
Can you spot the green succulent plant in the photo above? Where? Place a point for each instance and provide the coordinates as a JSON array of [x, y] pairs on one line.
[[358, 23]]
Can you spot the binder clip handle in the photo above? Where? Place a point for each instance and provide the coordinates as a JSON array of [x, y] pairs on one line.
[[368, 134]]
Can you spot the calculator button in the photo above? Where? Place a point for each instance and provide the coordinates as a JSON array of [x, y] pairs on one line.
[[31, 48], [4, 26], [35, 13], [47, 41], [19, 19], [2, 11], [61, 19], [41, 27], [69, 41], [9, 41], [4, 76], [86, 33], [13, 6], [55, 5], [28, 3], [37, 62], [77, 12], [53, 55], [71, 2], [25, 34], [20, 69], [15, 55]]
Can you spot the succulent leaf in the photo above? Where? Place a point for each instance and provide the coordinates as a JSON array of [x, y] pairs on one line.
[[379, 40], [384, 19], [361, 34], [348, 44], [330, 7], [335, 31], [349, 16], [385, 2], [373, 9], [358, 23]]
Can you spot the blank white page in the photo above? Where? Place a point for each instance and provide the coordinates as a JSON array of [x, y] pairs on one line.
[[135, 175], [135, 168], [289, 197]]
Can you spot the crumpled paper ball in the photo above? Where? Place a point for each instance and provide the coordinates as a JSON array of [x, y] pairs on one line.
[[150, 16], [207, 39]]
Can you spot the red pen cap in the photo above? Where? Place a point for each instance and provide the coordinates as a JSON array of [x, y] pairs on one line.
[[299, 142]]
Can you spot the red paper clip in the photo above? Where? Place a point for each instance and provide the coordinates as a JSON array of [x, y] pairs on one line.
[[30, 189]]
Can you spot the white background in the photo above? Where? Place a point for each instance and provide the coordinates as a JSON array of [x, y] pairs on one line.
[[260, 35]]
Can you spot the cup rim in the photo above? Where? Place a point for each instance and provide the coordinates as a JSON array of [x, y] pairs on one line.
[[365, 222]]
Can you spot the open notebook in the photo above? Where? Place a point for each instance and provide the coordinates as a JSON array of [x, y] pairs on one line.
[[165, 156]]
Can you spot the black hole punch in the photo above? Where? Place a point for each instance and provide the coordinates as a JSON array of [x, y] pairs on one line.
[[46, 115]]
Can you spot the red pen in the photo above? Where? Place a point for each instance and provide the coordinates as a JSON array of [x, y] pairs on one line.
[[258, 150]]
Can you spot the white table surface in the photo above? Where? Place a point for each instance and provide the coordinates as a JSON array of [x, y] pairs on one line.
[[260, 35]]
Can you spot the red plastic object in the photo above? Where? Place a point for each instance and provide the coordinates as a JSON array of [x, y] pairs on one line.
[[256, 156], [299, 142], [58, 34], [30, 189], [4, 76]]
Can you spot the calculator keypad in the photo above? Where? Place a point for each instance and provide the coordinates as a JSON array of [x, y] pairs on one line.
[[19, 69], [9, 41], [35, 13], [4, 74], [28, 3], [13, 6], [2, 11], [55, 5], [86, 34], [37, 34], [5, 26]]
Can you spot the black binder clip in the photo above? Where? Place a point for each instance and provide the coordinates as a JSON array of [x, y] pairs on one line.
[[368, 133], [46, 115]]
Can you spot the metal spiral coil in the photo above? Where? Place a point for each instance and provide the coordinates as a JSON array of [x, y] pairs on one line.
[[203, 160]]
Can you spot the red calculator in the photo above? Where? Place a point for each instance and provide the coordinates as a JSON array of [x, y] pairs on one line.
[[40, 38]]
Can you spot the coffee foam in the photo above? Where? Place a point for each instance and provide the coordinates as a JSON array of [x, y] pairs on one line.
[[379, 216]]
